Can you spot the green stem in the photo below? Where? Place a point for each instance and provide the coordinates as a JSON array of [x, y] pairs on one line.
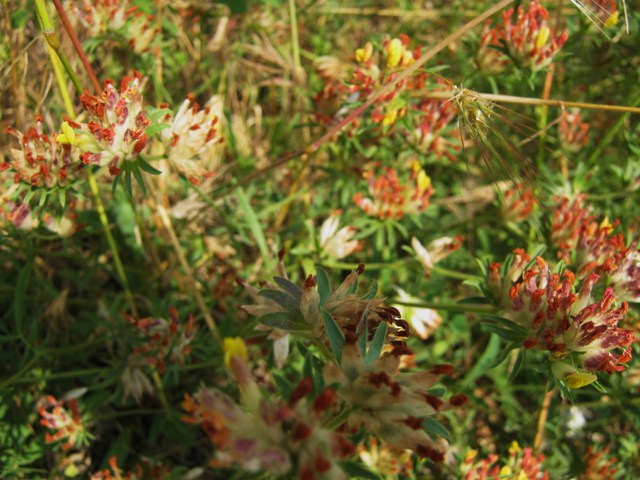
[[104, 220], [53, 40], [59, 375], [445, 272], [449, 307]]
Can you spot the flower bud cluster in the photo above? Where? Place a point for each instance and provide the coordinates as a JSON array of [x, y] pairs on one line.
[[580, 334], [529, 42]]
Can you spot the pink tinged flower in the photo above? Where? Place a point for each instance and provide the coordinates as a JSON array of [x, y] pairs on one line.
[[432, 133], [423, 321], [519, 202], [192, 142], [569, 215], [66, 423], [338, 243], [572, 131], [565, 323], [387, 403], [391, 198], [42, 160], [530, 41], [625, 278], [490, 58], [118, 132], [436, 251]]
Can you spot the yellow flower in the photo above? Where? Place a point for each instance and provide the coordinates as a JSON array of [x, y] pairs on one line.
[[514, 448], [612, 20], [69, 137], [580, 379], [543, 36], [233, 347], [394, 52], [363, 55]]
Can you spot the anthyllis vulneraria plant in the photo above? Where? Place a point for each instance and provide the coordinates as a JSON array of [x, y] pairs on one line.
[[545, 310], [529, 41], [352, 332]]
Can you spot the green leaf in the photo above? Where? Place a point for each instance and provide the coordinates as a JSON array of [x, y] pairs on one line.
[[155, 128], [19, 296], [139, 179], [127, 183], [474, 301], [324, 287], [517, 365], [504, 354], [254, 225], [290, 287], [146, 166], [281, 298], [19, 18], [284, 321], [375, 348], [357, 470], [435, 428], [334, 332], [283, 384]]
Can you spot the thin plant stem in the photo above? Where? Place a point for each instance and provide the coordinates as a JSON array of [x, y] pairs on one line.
[[295, 42], [498, 98], [449, 307], [542, 420], [175, 242], [76, 44], [104, 220], [53, 40]]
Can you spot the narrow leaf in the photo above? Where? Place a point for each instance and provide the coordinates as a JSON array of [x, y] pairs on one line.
[[289, 287], [334, 332], [284, 321], [254, 225], [373, 291], [375, 348], [281, 298], [324, 287], [435, 428]]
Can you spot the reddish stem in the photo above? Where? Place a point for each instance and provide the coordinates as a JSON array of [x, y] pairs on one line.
[[76, 43]]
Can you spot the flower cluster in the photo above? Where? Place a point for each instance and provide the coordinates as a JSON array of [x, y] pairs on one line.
[[121, 17], [519, 202], [285, 307], [436, 250], [191, 141], [432, 134], [386, 402], [268, 435], [139, 472], [165, 341], [42, 160], [380, 399], [522, 465], [374, 72], [392, 199], [118, 132], [572, 131], [579, 333], [65, 422], [529, 41], [595, 247]]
